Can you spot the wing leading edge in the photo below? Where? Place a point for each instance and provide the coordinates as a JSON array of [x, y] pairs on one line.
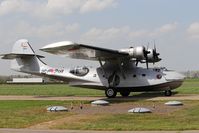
[[82, 51]]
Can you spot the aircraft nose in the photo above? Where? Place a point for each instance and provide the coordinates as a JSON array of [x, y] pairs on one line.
[[173, 76], [176, 79], [179, 76]]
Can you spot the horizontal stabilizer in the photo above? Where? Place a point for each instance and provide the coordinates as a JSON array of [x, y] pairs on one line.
[[11, 56]]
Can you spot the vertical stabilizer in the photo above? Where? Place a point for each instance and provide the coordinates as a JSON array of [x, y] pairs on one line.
[[23, 58], [22, 46]]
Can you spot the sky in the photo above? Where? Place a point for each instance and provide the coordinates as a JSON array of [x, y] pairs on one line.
[[114, 24]]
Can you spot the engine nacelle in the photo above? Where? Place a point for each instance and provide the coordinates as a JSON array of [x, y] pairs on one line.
[[136, 52], [140, 54]]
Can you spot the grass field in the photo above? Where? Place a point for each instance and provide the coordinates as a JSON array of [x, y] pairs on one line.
[[23, 114], [20, 114], [180, 120], [47, 90], [188, 87]]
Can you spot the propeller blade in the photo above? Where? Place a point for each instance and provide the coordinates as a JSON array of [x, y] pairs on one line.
[[146, 52], [136, 63], [147, 65], [155, 54], [148, 46], [147, 62]]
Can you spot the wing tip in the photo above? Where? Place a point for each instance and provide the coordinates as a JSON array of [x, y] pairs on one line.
[[57, 44]]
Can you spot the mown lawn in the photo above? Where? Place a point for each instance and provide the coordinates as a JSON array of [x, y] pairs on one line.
[[190, 86], [47, 90], [184, 119], [21, 114]]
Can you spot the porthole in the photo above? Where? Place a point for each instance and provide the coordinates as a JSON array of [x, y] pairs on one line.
[[143, 75], [159, 76]]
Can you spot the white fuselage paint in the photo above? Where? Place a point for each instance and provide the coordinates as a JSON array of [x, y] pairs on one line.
[[133, 78]]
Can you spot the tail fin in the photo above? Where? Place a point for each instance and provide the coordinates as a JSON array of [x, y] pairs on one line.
[[23, 58]]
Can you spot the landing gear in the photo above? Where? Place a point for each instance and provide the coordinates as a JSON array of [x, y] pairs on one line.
[[168, 93], [110, 92], [125, 93]]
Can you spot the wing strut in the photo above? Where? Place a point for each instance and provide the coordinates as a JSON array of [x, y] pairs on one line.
[[122, 71], [103, 68]]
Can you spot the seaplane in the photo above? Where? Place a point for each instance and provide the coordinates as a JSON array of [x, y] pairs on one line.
[[118, 70]]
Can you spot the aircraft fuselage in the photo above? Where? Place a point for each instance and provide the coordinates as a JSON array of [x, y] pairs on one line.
[[130, 78]]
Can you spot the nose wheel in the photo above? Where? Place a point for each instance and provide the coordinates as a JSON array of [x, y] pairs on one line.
[[168, 93], [110, 92]]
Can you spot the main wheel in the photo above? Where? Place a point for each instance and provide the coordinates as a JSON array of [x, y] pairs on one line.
[[110, 92], [125, 93], [168, 93]]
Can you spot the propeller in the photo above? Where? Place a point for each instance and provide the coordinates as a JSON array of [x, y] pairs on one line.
[[154, 58], [146, 52], [155, 54]]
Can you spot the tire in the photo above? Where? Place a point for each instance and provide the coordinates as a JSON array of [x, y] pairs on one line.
[[125, 93], [110, 92], [168, 93]]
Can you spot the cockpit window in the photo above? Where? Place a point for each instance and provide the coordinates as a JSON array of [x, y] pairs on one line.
[[79, 71], [165, 69], [161, 69]]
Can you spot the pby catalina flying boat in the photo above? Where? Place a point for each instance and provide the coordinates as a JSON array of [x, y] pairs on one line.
[[117, 71]]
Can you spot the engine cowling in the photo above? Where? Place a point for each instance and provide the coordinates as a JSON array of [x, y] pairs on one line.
[[138, 53]]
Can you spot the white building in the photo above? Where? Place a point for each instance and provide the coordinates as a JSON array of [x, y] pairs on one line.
[[26, 80]]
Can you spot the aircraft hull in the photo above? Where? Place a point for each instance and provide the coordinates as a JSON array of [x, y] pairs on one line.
[[159, 87]]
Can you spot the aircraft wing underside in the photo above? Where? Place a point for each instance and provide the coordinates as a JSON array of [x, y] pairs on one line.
[[81, 51]]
